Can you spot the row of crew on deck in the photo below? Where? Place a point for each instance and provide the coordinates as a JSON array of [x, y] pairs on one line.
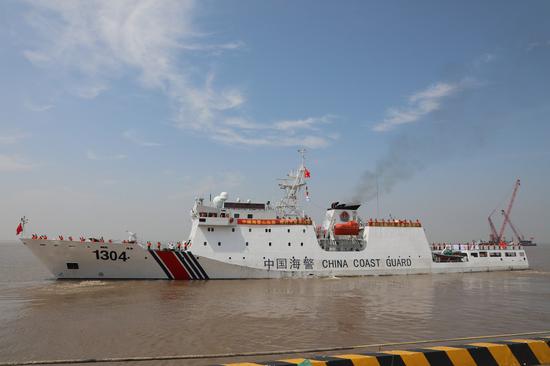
[[81, 239], [394, 223], [475, 246], [178, 246], [170, 246]]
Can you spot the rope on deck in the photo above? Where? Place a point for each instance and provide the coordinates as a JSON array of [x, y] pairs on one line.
[[263, 353]]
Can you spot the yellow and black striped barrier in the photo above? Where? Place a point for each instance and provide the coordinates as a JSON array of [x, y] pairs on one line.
[[514, 352]]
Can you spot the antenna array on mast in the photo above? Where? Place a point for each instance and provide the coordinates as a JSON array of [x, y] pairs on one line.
[[292, 184]]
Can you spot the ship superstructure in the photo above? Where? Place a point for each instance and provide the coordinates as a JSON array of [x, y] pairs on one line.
[[232, 239]]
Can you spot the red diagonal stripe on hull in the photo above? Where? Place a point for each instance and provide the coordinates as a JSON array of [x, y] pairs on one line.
[[173, 264]]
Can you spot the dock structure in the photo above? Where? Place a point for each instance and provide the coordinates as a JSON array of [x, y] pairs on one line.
[[513, 352]]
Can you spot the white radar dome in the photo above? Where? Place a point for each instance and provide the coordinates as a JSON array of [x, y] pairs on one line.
[[220, 199]]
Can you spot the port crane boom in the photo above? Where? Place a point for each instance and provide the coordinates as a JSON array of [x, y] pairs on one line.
[[493, 235], [508, 211], [518, 235]]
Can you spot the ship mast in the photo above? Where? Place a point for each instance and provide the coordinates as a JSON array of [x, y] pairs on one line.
[[292, 184]]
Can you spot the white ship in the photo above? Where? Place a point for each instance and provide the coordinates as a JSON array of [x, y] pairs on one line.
[[240, 240]]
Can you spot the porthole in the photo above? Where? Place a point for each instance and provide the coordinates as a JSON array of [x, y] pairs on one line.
[[233, 229], [269, 243], [301, 244], [204, 243], [288, 244], [246, 244], [288, 230], [219, 243], [249, 230], [304, 231]]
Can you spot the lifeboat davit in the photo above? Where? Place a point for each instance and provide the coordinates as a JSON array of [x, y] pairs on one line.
[[349, 228]]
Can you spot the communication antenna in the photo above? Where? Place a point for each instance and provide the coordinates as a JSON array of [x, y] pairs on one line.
[[377, 199], [291, 185]]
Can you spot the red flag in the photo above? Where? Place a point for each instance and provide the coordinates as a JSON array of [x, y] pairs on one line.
[[19, 229], [307, 174]]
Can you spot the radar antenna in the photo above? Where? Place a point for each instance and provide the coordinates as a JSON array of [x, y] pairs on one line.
[[292, 184]]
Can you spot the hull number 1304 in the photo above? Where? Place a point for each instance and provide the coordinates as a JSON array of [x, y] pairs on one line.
[[110, 255]]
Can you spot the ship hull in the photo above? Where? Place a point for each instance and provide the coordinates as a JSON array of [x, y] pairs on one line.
[[89, 260]]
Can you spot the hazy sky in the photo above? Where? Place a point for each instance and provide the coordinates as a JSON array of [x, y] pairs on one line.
[[116, 114]]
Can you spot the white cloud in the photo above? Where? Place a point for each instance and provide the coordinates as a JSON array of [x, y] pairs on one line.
[[90, 91], [99, 41], [10, 163], [91, 155], [311, 123], [302, 132], [37, 107], [484, 59], [538, 44], [216, 48], [422, 103], [131, 135]]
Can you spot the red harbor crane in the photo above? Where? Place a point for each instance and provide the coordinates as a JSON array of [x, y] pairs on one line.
[[519, 236], [497, 237], [493, 235], [508, 211]]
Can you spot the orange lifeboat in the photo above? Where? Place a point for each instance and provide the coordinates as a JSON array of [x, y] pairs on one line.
[[349, 228]]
